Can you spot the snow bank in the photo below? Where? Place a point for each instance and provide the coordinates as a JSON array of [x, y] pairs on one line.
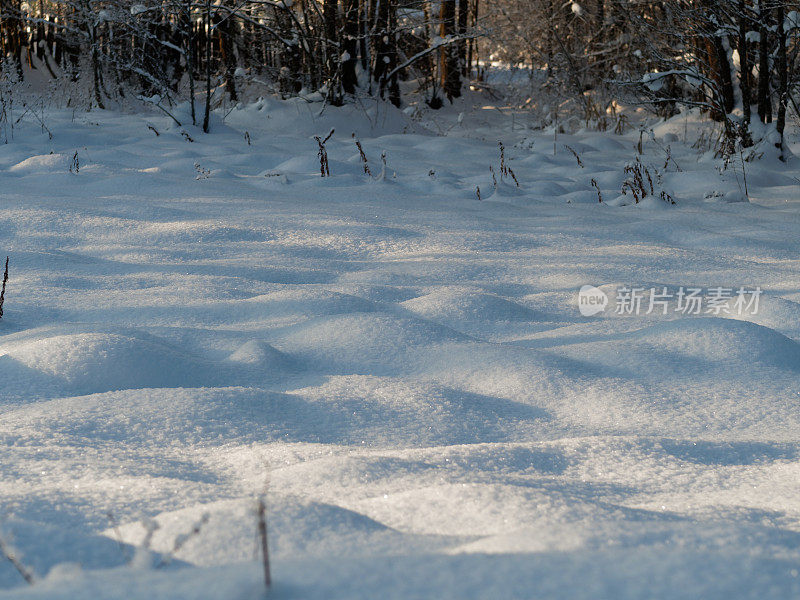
[[398, 366]]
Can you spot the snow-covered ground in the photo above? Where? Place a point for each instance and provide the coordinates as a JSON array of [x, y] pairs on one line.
[[399, 366]]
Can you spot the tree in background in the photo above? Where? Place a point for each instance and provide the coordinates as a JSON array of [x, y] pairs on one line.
[[735, 59], [340, 48]]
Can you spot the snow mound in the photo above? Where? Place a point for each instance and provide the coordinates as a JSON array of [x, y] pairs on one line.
[[405, 364], [455, 306], [346, 410], [380, 411], [725, 341], [86, 362], [302, 302], [362, 343], [779, 314], [477, 509], [228, 528], [210, 416], [44, 163], [261, 354], [391, 472]]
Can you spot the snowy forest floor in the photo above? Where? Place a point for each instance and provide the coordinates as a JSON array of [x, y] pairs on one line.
[[193, 320]]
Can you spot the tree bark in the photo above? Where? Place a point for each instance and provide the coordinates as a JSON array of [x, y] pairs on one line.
[[331, 50], [289, 57], [225, 35], [713, 61], [764, 104], [350, 46], [463, 15], [725, 77], [783, 76], [207, 111], [448, 59], [386, 50], [393, 84], [472, 51], [744, 73], [188, 41]]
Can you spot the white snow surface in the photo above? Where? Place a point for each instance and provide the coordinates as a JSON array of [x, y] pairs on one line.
[[397, 365]]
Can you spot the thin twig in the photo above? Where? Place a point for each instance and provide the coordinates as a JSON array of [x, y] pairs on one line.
[[6, 551], [262, 534], [3, 291]]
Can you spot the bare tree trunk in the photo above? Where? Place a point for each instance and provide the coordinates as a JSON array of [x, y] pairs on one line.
[[386, 50], [350, 43], [207, 113], [713, 60], [725, 78], [40, 33], [463, 13], [764, 104], [289, 56], [330, 47], [783, 75], [310, 51], [380, 37], [472, 53], [431, 60], [550, 42], [95, 65], [744, 73], [58, 51], [187, 36], [49, 44], [225, 35], [364, 42], [450, 75], [596, 61], [393, 84]]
